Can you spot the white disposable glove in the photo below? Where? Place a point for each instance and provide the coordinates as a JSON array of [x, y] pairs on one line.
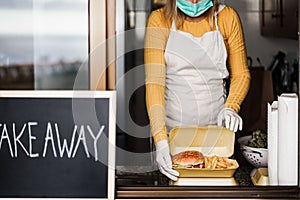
[[164, 161], [231, 119]]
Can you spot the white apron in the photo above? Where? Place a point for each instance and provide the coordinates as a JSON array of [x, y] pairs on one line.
[[195, 73]]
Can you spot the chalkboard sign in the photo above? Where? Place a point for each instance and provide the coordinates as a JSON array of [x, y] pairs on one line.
[[57, 144]]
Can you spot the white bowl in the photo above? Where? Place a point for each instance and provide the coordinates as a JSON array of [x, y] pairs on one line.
[[258, 157]]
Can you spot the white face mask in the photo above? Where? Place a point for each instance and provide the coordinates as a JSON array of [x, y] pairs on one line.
[[194, 9]]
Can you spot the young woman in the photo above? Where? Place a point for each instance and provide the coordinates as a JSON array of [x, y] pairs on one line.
[[188, 46]]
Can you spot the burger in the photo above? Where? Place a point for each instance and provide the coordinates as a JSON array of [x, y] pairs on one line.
[[188, 159]]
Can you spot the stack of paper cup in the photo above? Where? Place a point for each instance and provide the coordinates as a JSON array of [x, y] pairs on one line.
[[288, 139], [273, 143]]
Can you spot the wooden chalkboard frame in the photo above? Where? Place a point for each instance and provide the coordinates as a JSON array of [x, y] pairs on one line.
[[110, 95]]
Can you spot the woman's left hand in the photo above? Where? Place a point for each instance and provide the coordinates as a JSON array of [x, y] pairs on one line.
[[231, 119]]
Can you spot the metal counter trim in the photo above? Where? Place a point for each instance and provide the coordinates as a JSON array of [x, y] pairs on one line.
[[183, 192]]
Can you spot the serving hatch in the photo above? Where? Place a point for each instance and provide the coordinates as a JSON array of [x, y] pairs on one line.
[[210, 141]]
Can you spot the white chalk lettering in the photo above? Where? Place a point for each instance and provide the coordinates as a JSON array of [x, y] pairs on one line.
[[81, 138], [23, 139], [64, 146], [31, 137], [49, 137], [96, 138], [4, 135], [17, 139]]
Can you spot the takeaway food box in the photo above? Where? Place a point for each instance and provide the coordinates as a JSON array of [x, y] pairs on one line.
[[210, 141]]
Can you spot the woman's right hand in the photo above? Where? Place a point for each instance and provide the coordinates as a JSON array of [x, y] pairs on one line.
[[164, 161]]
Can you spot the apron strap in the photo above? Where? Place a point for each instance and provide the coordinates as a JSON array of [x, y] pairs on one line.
[[173, 28], [216, 21], [221, 7]]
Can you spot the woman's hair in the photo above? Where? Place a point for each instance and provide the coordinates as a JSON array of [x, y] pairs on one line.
[[172, 13]]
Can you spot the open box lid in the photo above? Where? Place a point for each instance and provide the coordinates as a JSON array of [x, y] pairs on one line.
[[210, 140]]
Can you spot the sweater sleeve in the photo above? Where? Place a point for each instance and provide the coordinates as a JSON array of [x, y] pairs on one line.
[[239, 73], [155, 69]]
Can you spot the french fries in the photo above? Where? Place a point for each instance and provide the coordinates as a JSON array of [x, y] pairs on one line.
[[213, 162]]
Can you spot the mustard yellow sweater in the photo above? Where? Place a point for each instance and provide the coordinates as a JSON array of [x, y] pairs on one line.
[[156, 38]]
